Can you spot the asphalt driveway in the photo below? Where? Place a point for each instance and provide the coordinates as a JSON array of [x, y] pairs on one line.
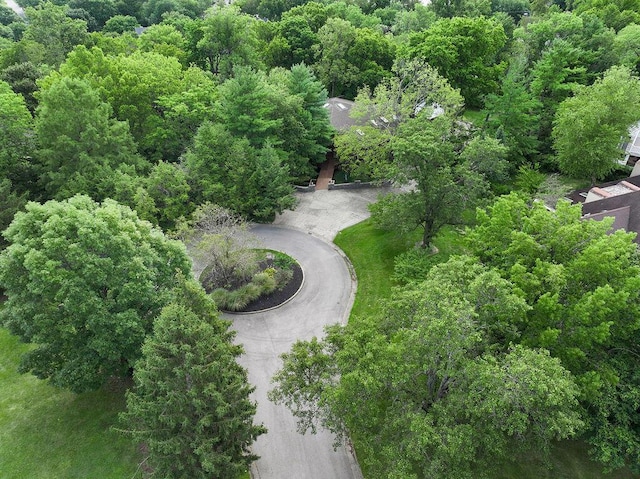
[[325, 298]]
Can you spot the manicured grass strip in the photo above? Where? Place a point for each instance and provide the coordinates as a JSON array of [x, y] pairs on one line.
[[371, 252], [51, 433]]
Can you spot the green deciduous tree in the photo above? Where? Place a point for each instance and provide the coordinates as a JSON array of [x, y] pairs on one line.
[[335, 39], [85, 282], [416, 87], [164, 39], [16, 140], [445, 185], [349, 58], [141, 88], [582, 288], [10, 203], [155, 10], [226, 39], [297, 41], [466, 52], [191, 404], [80, 143], [22, 78], [100, 10], [614, 13], [221, 243], [487, 156], [420, 389], [460, 8], [54, 32], [589, 126], [121, 24], [626, 47]]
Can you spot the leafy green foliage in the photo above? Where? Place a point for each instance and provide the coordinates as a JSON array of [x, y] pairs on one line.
[[80, 143], [149, 91], [512, 117], [226, 40], [424, 152], [589, 125], [53, 31], [10, 203], [465, 52], [349, 58], [84, 283], [257, 186], [16, 140], [262, 283], [409, 385], [582, 287], [22, 78], [120, 24], [191, 402]]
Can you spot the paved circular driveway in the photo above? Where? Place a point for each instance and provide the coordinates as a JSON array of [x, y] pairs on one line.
[[325, 298]]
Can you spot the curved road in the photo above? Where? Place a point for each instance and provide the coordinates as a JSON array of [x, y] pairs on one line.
[[325, 298]]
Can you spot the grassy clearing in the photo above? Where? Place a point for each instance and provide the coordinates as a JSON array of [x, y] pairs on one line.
[[371, 252], [51, 433], [569, 460], [476, 117]]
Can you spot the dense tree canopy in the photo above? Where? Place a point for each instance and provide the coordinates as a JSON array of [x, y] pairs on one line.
[[54, 33], [414, 139], [588, 126], [80, 143], [137, 86], [225, 104], [84, 283], [226, 40], [16, 138], [466, 52], [582, 287], [422, 388]]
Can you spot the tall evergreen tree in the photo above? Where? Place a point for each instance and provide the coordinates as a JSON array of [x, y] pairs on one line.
[[191, 402]]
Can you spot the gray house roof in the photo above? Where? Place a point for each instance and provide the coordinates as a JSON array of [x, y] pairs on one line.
[[339, 109]]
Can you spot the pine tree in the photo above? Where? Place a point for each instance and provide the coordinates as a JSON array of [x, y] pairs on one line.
[[191, 402]]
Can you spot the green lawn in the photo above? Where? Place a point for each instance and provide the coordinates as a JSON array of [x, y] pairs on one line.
[[371, 252], [51, 433], [476, 117]]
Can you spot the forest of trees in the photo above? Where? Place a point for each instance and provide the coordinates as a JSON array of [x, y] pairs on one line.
[[110, 137]]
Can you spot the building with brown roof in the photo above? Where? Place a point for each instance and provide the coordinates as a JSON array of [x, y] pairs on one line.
[[617, 199]]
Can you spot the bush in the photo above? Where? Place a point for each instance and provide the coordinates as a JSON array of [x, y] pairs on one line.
[[529, 179], [262, 283], [265, 281], [412, 266], [283, 276]]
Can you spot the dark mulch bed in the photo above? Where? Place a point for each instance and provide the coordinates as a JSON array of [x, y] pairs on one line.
[[279, 296]]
